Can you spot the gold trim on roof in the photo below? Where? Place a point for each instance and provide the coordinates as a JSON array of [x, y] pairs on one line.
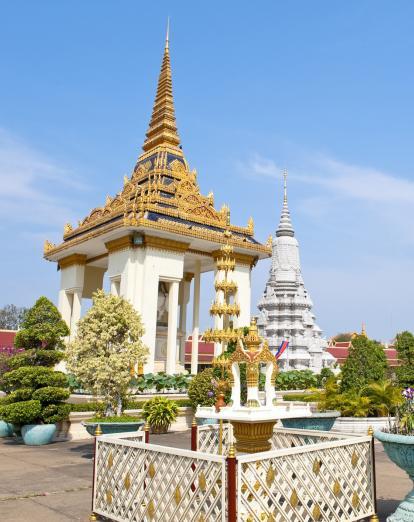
[[73, 259]]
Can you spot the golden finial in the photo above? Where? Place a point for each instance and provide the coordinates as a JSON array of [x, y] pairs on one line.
[[98, 430], [67, 228], [252, 339], [108, 200], [269, 241], [147, 426], [93, 517], [250, 225], [232, 452], [48, 246], [370, 431], [162, 129], [126, 179], [167, 36], [194, 423], [363, 331]]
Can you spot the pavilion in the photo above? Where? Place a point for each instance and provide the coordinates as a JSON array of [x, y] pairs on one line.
[[153, 240]]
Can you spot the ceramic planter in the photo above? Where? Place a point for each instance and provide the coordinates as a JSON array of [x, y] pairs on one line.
[[38, 434], [112, 427], [322, 421], [400, 449], [6, 429]]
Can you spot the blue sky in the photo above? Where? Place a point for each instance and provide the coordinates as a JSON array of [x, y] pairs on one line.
[[321, 88]]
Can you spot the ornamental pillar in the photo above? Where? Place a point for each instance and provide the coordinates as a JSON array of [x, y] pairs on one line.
[[218, 319], [76, 312], [172, 328], [184, 298], [196, 319]]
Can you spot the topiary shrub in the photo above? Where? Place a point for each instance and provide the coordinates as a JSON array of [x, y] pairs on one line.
[[35, 391], [202, 391], [160, 413], [365, 363]]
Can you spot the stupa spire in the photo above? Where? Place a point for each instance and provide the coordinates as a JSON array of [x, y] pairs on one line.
[[285, 227], [162, 129]]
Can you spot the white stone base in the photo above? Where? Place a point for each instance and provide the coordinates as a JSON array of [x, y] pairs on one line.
[[360, 425]]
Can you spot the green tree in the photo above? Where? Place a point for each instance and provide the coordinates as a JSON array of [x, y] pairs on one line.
[[42, 327], [107, 345], [36, 393], [405, 348], [366, 363], [11, 316]]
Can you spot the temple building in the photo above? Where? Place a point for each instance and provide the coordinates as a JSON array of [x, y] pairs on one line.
[[286, 307], [152, 241]]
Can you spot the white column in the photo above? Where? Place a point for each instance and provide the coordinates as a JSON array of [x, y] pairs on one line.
[[65, 305], [149, 318], [172, 328], [76, 312], [196, 319], [184, 298], [242, 276]]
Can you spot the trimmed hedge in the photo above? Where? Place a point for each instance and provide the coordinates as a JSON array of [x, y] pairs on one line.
[[129, 405], [300, 397]]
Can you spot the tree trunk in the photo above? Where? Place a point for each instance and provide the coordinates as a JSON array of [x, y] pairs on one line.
[[119, 406]]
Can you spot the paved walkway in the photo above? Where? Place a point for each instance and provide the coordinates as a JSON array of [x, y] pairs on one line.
[[53, 483]]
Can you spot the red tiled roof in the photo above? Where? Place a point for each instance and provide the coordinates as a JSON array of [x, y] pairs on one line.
[[7, 338]]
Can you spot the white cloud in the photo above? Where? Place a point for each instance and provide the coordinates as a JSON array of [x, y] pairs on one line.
[[343, 179], [34, 188]]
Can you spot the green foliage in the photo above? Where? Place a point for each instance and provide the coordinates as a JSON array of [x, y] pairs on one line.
[[51, 394], [42, 327], [202, 390], [405, 349], [36, 377], [385, 397], [36, 391], [160, 413], [296, 380], [161, 382], [343, 337], [35, 357], [323, 376], [365, 363], [121, 418], [21, 394], [373, 400], [97, 406], [107, 345], [301, 397], [55, 412], [19, 413]]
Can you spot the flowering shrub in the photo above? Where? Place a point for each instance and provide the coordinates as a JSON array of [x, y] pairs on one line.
[[404, 422]]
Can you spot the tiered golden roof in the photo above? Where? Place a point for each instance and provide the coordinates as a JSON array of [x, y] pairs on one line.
[[162, 192]]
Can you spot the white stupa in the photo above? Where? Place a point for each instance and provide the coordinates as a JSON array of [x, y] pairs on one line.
[[286, 307]]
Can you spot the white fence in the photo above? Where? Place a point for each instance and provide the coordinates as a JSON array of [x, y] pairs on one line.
[[307, 476], [136, 482]]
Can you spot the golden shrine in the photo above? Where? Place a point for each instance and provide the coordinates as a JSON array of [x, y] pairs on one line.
[[154, 239]]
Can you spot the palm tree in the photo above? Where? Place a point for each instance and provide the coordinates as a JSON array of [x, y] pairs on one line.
[[385, 397]]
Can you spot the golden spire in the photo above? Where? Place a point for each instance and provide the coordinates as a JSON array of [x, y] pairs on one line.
[[363, 330], [162, 128]]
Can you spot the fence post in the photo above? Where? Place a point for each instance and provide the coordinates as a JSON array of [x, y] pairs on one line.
[[98, 432], [231, 485], [374, 517], [146, 432], [194, 435]]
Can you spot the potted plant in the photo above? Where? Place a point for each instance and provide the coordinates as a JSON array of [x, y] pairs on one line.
[[160, 413], [398, 442], [107, 347], [36, 393]]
